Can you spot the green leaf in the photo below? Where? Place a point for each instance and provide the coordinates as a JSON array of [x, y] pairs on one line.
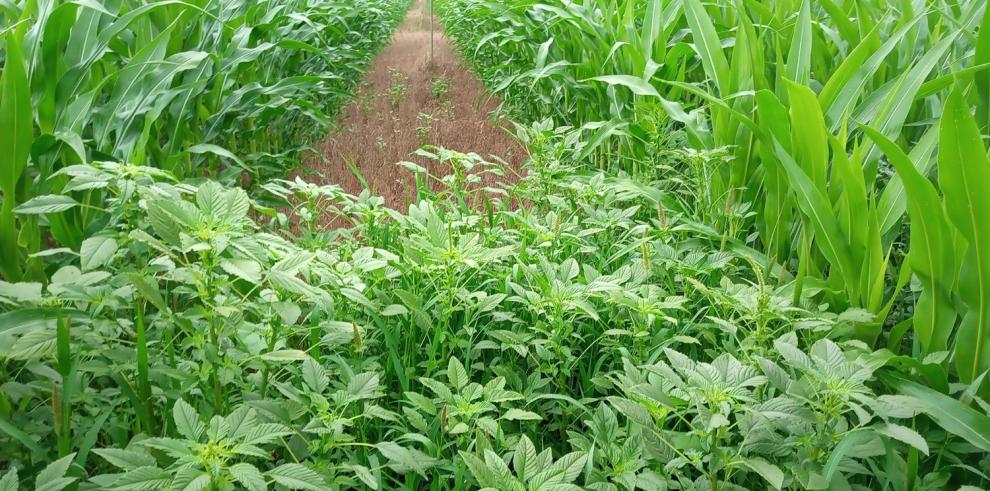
[[964, 175], [816, 207], [485, 477], [15, 116], [125, 459], [248, 476], [932, 253], [49, 203], [148, 288], [525, 459], [285, 355], [96, 252], [244, 269], [520, 415], [9, 481], [903, 434], [187, 421], [364, 385], [218, 151], [200, 482], [798, 66], [53, 472], [842, 449], [456, 374], [952, 415], [809, 144], [982, 56], [19, 435], [768, 471], [394, 309], [315, 376], [846, 85], [365, 475], [566, 469], [403, 459], [57, 484], [298, 476], [637, 85], [708, 45], [142, 479]]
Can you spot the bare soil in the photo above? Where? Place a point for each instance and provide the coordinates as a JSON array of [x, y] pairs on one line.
[[401, 106]]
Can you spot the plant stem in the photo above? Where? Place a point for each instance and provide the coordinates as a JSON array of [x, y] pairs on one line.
[[144, 387], [64, 355]]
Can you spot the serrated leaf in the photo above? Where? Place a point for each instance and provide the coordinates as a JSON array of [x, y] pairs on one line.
[[248, 476], [125, 459], [394, 309], [520, 415], [49, 203], [315, 376], [404, 459], [285, 355], [903, 434], [525, 459], [55, 470], [187, 421], [456, 374], [148, 288], [244, 269], [96, 252], [298, 476], [365, 475], [363, 385], [142, 479], [768, 471]]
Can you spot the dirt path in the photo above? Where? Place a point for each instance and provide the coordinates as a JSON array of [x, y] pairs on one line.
[[406, 102]]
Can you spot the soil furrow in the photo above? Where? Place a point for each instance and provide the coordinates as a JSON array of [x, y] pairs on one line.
[[409, 98]]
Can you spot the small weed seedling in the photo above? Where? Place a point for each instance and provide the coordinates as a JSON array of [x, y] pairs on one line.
[[426, 121], [396, 87], [440, 87]]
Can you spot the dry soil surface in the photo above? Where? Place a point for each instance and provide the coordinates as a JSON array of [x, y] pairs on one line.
[[401, 106]]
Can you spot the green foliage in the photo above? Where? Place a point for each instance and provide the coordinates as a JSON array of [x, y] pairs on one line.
[[221, 89], [723, 300], [591, 339]]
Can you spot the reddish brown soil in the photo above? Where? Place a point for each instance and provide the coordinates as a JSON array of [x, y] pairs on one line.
[[385, 123]]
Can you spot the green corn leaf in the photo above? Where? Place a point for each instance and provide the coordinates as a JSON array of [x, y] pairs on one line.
[[816, 208], [637, 85], [651, 38], [964, 176], [932, 254], [799, 58], [846, 86], [809, 144], [708, 45], [982, 57], [15, 116], [15, 140], [893, 201], [20, 436], [952, 415]]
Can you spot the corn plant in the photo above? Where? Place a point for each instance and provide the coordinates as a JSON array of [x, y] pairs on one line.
[[214, 88]]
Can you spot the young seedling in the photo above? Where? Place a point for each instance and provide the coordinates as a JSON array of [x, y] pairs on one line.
[[397, 87]]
